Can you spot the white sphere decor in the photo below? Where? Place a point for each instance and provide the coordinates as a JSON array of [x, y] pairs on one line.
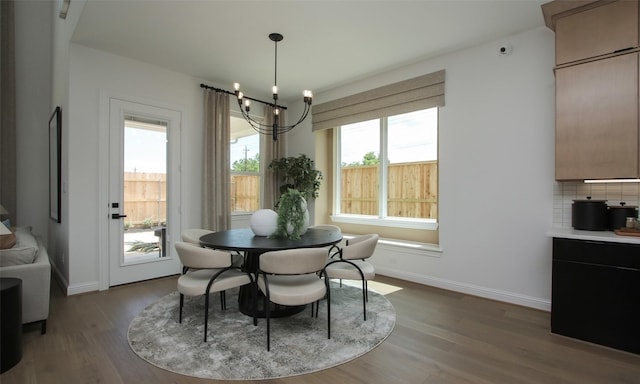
[[264, 222]]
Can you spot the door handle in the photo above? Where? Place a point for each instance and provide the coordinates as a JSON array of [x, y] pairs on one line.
[[117, 216]]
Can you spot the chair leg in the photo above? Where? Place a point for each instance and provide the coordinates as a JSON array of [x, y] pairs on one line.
[[268, 316], [254, 303], [181, 305], [206, 314], [223, 300], [364, 299], [366, 289], [328, 313], [43, 327]]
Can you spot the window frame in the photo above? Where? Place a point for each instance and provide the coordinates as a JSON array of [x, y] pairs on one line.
[[382, 219]]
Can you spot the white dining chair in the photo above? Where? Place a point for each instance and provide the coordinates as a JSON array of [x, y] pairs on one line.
[[351, 264], [193, 235], [335, 248], [293, 277], [206, 271]]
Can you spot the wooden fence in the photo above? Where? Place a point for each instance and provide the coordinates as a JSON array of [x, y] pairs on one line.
[[412, 192], [145, 199], [245, 193]]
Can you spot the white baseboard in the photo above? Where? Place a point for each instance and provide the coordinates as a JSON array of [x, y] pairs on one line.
[[475, 290], [83, 288], [59, 277], [73, 289]]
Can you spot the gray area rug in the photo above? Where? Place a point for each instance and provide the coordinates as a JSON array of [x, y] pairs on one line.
[[236, 350]]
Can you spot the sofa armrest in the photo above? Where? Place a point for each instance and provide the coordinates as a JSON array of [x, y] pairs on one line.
[[36, 282]]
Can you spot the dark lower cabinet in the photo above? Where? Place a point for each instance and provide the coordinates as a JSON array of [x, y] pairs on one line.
[[596, 292]]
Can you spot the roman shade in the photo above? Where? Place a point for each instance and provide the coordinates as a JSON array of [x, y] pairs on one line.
[[410, 95]]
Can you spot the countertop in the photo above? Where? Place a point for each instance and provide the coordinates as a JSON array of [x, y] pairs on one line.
[[570, 233]]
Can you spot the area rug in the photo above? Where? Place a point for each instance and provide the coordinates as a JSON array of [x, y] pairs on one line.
[[237, 350]]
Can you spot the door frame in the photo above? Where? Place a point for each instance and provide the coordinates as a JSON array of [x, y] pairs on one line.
[[174, 189]]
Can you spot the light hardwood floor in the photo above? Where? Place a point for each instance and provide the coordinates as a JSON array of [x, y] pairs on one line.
[[439, 337]]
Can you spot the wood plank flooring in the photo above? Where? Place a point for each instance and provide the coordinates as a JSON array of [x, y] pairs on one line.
[[440, 337]]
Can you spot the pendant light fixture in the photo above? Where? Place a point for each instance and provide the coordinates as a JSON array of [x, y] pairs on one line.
[[275, 128]]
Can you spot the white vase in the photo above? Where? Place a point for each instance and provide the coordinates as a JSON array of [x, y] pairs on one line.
[[305, 226], [264, 222]]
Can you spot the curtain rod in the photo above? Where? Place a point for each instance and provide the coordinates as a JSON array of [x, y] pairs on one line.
[[246, 97]]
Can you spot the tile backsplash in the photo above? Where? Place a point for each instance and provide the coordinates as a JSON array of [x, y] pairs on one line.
[[565, 192]]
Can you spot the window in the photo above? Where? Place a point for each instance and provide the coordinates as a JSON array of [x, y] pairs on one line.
[[245, 167], [387, 171]]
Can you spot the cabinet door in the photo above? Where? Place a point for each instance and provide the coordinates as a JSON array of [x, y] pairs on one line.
[[597, 304], [597, 31], [596, 291], [597, 119]]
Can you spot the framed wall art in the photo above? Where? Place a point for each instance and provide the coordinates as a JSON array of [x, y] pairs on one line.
[[55, 133]]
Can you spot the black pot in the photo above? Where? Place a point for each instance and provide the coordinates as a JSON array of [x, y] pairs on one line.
[[618, 215], [589, 215]]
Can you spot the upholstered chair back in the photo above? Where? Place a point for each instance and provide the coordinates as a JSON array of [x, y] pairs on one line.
[[193, 256], [293, 261], [360, 247]]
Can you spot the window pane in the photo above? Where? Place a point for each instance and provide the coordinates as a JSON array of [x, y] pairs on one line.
[[413, 136], [359, 153], [412, 183], [245, 167]]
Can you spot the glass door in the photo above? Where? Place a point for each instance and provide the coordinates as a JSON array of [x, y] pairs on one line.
[[139, 229]]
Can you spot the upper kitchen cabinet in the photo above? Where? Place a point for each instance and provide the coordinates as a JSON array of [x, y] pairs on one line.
[[597, 88], [597, 119], [588, 29]]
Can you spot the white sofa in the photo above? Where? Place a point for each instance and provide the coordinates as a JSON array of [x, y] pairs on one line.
[[28, 260]]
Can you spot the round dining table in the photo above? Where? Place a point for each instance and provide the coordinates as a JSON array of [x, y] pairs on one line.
[[252, 246]]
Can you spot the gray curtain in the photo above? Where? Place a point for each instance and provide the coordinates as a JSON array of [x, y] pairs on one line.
[[270, 150], [7, 110], [216, 207]]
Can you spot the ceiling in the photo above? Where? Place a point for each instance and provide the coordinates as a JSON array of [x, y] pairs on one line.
[[326, 43]]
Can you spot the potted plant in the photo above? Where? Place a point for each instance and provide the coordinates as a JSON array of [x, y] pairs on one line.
[[293, 217], [297, 173]]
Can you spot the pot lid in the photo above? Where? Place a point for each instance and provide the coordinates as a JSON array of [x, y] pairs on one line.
[[589, 200], [623, 205]]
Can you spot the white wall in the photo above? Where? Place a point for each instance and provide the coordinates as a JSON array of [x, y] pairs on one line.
[[94, 75], [33, 109], [496, 171]]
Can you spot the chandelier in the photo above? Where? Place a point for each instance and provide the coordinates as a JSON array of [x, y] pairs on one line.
[[274, 129]]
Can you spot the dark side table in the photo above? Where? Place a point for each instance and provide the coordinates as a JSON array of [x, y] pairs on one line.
[[10, 322]]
